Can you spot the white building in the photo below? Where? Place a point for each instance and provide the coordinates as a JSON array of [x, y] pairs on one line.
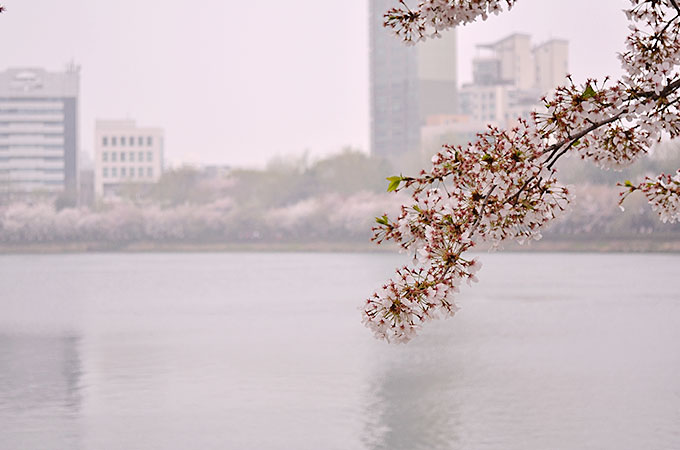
[[509, 78], [126, 154], [39, 130], [451, 129], [551, 60], [484, 102], [514, 60]]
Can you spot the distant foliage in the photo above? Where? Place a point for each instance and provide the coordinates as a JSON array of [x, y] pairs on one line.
[[332, 199], [222, 210]]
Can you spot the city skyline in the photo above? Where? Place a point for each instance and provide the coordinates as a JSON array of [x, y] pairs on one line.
[[287, 84]]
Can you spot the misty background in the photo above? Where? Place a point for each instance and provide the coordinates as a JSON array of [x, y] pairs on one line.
[[124, 323], [239, 82]]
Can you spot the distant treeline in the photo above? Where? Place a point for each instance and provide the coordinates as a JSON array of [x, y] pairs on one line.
[[294, 200]]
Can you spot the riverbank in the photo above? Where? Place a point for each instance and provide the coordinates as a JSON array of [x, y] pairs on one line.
[[670, 244]]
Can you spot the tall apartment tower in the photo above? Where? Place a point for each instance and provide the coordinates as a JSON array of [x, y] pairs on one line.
[[39, 130], [125, 154], [551, 62], [407, 83], [514, 59], [513, 62]]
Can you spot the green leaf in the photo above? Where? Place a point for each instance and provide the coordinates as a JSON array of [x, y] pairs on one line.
[[382, 220], [588, 93], [487, 158], [627, 183], [394, 183]]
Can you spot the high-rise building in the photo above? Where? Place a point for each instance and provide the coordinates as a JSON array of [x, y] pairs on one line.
[[514, 61], [551, 64], [408, 84], [437, 77], [125, 154], [510, 77], [39, 130]]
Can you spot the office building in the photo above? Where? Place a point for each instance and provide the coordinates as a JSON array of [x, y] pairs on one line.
[[125, 154], [510, 77], [551, 64], [39, 130], [512, 62], [407, 83], [512, 58]]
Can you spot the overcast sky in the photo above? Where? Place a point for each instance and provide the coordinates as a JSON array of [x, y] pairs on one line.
[[238, 82]]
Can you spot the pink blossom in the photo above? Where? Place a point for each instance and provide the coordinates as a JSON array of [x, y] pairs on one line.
[[504, 186]]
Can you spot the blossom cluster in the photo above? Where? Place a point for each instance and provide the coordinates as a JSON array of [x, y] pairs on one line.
[[433, 16], [504, 185], [494, 189], [662, 192]]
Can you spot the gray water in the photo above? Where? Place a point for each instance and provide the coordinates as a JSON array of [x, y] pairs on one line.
[[266, 351]]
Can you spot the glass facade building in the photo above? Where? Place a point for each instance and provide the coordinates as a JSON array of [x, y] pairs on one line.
[[407, 84]]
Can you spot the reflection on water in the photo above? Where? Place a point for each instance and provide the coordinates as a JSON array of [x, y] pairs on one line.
[[408, 410], [39, 391], [266, 351]]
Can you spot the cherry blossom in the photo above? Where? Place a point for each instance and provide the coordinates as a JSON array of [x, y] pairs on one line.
[[505, 186], [433, 16]]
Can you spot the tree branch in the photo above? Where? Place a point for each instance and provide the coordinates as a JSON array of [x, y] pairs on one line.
[[571, 139], [675, 5], [481, 211]]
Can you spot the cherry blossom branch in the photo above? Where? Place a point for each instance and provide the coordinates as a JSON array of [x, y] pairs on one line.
[[573, 139], [503, 186], [662, 192], [433, 16]]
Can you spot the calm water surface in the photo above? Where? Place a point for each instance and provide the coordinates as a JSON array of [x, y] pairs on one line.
[[266, 351]]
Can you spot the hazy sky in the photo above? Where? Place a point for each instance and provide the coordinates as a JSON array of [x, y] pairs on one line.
[[238, 82]]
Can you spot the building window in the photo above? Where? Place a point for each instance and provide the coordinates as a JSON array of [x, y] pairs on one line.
[[132, 156], [123, 172], [140, 156], [132, 172], [140, 141], [105, 141], [105, 156], [140, 172], [114, 172], [122, 141], [149, 141], [149, 156], [114, 156], [132, 141], [114, 141], [105, 172], [122, 156], [149, 172]]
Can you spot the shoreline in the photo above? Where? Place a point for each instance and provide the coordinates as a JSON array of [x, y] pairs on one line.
[[550, 244]]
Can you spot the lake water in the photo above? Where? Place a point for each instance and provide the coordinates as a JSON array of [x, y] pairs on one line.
[[266, 351]]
